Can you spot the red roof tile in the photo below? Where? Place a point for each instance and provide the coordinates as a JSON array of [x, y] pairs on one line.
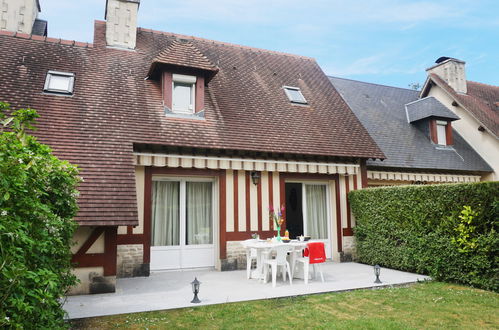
[[114, 107], [183, 54]]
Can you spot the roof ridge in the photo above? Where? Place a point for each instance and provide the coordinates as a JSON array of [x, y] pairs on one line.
[[481, 83], [46, 39], [370, 83], [421, 99], [223, 43]]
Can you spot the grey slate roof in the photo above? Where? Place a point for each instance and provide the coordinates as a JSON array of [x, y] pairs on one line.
[[426, 108], [39, 27], [381, 109]]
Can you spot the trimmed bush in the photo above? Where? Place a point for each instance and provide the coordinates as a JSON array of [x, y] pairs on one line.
[[448, 231], [37, 204]]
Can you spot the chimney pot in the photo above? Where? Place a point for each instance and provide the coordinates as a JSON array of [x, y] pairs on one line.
[[18, 15], [452, 71], [121, 23]]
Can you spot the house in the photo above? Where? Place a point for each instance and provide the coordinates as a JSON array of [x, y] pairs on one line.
[[183, 143], [475, 103], [418, 136]]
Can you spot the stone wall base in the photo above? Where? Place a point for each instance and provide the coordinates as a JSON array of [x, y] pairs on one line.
[[349, 252], [130, 261], [92, 281]]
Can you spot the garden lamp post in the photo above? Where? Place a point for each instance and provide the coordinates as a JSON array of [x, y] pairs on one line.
[[195, 289], [377, 270]]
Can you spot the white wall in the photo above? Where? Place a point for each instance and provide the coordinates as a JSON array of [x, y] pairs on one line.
[[485, 144], [18, 15]]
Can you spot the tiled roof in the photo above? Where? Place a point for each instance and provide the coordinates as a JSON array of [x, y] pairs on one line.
[[481, 100], [381, 109], [428, 107], [183, 53], [115, 107]]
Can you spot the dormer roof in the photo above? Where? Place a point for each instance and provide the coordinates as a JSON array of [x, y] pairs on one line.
[[426, 108], [183, 54]]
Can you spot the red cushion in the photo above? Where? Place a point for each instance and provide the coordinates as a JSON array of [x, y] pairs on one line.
[[316, 252]]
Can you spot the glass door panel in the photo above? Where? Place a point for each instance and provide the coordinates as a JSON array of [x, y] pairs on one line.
[[165, 213], [316, 225], [199, 213]]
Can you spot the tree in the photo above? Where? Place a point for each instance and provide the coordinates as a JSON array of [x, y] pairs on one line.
[[415, 86], [37, 204]]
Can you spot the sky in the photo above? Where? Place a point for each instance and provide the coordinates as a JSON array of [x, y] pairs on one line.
[[388, 42]]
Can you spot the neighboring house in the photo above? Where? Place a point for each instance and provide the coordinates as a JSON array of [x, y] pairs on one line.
[[476, 104], [415, 134], [183, 143]]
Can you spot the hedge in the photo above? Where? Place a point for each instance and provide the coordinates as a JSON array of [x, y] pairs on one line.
[[447, 231], [37, 204]]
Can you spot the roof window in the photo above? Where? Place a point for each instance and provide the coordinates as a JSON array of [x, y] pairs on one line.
[[294, 95], [59, 82]]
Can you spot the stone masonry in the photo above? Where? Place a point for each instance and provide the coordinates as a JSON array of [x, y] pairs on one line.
[[130, 262], [236, 256], [348, 253]]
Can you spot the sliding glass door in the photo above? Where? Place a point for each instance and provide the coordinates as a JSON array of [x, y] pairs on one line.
[[315, 214], [182, 224]]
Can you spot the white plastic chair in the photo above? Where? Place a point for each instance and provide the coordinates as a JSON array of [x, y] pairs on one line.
[[279, 261], [251, 254], [305, 261]]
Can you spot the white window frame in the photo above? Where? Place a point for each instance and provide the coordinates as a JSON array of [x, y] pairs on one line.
[[69, 75], [184, 79], [442, 132], [290, 97]]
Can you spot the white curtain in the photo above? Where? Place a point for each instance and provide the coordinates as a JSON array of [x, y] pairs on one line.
[[199, 213], [165, 213], [316, 211]]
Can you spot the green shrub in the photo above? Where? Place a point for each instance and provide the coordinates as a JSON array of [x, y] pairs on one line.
[[37, 204], [448, 232]]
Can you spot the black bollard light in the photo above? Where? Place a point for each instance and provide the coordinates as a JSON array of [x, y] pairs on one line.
[[195, 289], [377, 271]]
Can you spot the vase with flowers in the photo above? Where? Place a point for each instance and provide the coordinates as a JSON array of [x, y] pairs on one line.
[[276, 215]]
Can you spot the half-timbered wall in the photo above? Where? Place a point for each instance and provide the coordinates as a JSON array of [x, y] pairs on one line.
[[242, 211]]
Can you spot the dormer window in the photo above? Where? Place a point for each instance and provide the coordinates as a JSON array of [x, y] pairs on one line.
[[59, 82], [183, 96], [294, 95]]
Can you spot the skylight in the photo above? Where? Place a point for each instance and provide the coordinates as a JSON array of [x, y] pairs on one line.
[[59, 82], [294, 95]]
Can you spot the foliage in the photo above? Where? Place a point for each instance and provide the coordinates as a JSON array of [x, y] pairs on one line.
[[37, 204], [430, 305], [446, 231]]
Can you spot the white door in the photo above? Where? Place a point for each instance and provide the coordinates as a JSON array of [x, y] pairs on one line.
[[316, 214], [182, 224]]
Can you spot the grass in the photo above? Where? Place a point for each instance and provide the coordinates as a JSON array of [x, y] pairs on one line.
[[420, 306]]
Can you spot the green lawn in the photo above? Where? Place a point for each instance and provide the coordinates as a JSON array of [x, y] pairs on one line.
[[420, 306]]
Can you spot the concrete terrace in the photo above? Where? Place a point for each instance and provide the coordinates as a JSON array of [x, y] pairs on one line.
[[169, 290]]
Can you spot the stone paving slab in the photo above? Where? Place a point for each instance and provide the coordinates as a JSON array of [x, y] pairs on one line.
[[172, 289]]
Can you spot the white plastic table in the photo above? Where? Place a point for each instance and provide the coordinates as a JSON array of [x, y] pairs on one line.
[[262, 246]]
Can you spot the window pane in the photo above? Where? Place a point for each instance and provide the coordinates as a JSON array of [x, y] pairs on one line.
[[441, 136], [60, 83], [182, 97], [316, 211], [295, 95], [199, 213], [165, 213]]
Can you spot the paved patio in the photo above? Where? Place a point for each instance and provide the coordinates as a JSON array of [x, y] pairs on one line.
[[168, 290]]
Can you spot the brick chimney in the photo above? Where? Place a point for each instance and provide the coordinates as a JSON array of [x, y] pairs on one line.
[[18, 15], [452, 71], [121, 23]]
